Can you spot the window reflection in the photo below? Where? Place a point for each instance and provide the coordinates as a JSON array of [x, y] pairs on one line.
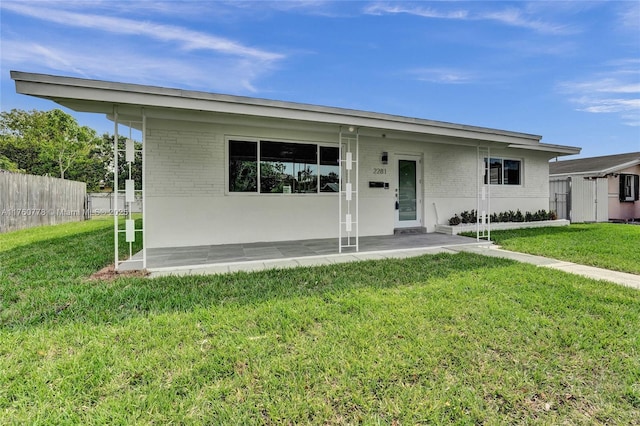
[[285, 167], [503, 171], [243, 166], [329, 169]]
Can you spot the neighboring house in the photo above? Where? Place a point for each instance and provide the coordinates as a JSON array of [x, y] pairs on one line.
[[598, 189], [222, 169]]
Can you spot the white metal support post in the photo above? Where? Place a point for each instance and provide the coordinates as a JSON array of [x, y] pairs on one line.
[[483, 209], [115, 185], [129, 192], [348, 208], [144, 198]]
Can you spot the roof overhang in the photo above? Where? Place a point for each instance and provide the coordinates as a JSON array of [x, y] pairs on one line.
[[599, 173], [103, 97], [553, 149], [620, 167]]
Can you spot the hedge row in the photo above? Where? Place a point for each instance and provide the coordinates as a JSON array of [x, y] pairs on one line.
[[510, 216]]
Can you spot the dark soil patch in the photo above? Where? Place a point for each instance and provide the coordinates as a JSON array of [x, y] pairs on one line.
[[109, 273]]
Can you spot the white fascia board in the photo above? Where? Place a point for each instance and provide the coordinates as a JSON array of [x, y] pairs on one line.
[[620, 167], [65, 90], [581, 174], [553, 149]]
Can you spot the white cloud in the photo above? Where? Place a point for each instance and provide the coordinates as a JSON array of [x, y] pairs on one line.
[[615, 91], [508, 16], [425, 12], [629, 16], [127, 49], [215, 74], [16, 53], [609, 105], [442, 75], [516, 18], [605, 85], [186, 38], [205, 10]]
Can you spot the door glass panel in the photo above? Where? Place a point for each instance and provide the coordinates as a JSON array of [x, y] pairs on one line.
[[407, 190]]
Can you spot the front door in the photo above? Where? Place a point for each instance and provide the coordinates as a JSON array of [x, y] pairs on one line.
[[408, 192]]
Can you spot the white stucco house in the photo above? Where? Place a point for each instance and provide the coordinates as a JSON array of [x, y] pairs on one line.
[[222, 169]]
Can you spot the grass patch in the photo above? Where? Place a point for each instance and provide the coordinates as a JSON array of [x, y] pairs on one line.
[[604, 245], [460, 339]]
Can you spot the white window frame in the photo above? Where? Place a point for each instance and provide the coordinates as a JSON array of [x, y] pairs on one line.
[[257, 140], [502, 181], [631, 179]]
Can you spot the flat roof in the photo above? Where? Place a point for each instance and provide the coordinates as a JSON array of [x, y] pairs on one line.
[[85, 95]]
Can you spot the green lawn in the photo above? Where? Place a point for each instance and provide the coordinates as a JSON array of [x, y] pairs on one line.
[[605, 245], [442, 339]]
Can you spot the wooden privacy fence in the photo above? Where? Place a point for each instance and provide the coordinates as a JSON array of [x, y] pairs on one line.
[[27, 201]]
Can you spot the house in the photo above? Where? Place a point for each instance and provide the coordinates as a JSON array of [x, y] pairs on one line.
[[598, 189], [222, 169]]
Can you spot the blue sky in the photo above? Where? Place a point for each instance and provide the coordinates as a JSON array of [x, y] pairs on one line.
[[569, 71]]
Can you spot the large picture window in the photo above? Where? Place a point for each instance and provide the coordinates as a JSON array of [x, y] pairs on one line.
[[269, 167], [503, 171]]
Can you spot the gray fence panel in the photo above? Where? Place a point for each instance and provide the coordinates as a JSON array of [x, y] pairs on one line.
[[27, 201], [590, 198], [101, 203], [559, 197]]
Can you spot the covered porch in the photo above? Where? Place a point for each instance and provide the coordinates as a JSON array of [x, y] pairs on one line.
[[220, 172], [219, 259]]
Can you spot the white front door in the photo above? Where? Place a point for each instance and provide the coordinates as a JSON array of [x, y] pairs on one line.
[[408, 191]]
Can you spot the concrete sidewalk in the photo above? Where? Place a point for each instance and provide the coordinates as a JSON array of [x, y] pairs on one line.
[[622, 278]]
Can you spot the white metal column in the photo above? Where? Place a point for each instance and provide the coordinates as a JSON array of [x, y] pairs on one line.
[[144, 180], [348, 181], [483, 209], [116, 136], [129, 191]]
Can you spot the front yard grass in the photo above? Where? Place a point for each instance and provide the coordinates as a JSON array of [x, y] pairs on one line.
[[442, 339], [604, 245]]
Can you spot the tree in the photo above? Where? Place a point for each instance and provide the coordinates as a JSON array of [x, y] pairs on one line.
[[106, 148], [6, 164], [53, 143], [63, 140], [17, 144], [93, 168]]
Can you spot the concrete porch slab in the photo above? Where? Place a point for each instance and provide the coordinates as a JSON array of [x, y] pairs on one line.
[[259, 256]]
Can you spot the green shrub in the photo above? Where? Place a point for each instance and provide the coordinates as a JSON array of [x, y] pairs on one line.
[[455, 220], [508, 216], [469, 217]]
